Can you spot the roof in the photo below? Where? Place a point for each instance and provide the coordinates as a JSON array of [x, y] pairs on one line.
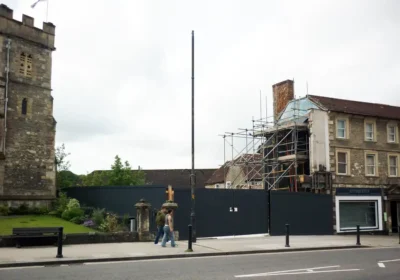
[[218, 175], [357, 107], [252, 160], [177, 178]]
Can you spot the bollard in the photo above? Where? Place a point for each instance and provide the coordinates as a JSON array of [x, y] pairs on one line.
[[59, 243], [190, 240], [399, 234], [358, 235], [287, 236]]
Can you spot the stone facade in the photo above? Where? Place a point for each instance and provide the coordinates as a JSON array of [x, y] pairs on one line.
[[357, 148], [27, 126]]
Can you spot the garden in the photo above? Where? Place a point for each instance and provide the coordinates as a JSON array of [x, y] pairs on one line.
[[66, 212]]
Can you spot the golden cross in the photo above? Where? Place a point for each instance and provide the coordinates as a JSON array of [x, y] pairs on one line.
[[170, 193]]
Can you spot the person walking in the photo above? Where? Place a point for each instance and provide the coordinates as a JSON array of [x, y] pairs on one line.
[[160, 221], [168, 229]]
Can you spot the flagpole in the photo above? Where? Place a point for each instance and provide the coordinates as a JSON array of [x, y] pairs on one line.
[[47, 11]]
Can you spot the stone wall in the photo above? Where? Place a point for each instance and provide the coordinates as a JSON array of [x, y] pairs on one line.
[[27, 171]]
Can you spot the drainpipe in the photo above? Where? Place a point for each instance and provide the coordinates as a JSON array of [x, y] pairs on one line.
[[8, 46]]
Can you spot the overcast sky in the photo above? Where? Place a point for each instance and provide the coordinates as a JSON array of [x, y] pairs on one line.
[[122, 72]]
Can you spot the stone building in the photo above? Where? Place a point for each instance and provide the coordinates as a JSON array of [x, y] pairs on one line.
[[27, 126], [244, 172], [346, 148]]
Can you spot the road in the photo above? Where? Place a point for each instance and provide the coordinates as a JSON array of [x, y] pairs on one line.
[[353, 264]]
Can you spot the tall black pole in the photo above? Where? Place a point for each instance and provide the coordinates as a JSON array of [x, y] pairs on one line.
[[193, 174]]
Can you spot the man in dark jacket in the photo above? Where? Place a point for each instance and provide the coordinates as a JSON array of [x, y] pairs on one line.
[[160, 221]]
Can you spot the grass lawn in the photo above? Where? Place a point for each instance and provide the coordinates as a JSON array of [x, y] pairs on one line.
[[8, 223]]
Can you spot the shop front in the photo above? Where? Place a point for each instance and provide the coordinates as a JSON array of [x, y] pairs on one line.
[[358, 206]]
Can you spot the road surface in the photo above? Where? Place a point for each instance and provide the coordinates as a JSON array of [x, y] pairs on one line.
[[352, 264]]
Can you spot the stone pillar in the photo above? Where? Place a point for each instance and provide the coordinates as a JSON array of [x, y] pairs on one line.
[[143, 220]]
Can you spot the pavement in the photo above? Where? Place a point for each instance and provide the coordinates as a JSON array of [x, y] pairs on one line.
[[339, 264], [105, 252]]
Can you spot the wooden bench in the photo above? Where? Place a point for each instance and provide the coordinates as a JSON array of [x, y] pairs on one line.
[[39, 232]]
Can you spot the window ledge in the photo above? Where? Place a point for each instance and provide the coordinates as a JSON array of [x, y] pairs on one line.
[[372, 176], [344, 175]]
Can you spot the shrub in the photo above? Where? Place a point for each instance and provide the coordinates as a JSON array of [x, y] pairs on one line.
[[98, 216], [61, 204], [23, 209], [4, 210], [73, 203], [77, 220], [39, 210], [73, 213], [110, 224]]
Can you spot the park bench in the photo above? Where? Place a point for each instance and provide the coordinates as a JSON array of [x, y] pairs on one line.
[[39, 232]]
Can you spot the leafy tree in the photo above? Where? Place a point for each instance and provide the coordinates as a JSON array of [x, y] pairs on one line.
[[121, 174], [61, 155], [64, 177], [96, 178]]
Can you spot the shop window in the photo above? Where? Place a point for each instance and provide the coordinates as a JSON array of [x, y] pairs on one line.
[[362, 213]]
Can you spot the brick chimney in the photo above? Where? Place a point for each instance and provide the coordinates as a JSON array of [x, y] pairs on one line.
[[283, 92]]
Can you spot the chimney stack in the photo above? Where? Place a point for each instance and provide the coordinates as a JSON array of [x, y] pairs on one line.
[[283, 93]]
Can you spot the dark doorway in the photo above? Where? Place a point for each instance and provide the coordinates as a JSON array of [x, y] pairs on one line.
[[395, 209]]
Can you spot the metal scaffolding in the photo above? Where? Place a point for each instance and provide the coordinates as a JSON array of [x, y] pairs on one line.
[[275, 153]]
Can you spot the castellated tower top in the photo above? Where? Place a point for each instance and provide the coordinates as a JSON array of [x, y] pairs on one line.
[[25, 29]]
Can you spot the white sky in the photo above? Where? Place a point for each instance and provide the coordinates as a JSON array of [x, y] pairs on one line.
[[121, 71]]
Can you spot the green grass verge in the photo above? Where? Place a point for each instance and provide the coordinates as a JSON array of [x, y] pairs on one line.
[[8, 223]]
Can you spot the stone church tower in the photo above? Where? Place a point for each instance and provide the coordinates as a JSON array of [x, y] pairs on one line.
[[27, 126]]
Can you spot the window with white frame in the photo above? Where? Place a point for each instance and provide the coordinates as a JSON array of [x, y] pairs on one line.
[[392, 134], [353, 210], [393, 165], [362, 213], [370, 164], [342, 162], [341, 128], [369, 131]]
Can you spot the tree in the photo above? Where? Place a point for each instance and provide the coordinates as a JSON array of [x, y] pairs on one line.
[[64, 177], [121, 174], [96, 178], [61, 155]]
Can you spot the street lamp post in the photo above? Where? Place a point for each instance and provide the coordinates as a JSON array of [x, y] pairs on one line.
[[193, 174]]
